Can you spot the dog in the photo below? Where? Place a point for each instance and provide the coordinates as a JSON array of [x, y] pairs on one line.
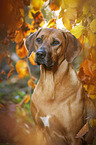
[[58, 105]]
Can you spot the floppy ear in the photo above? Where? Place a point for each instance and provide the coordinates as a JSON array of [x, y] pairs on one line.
[[29, 42], [73, 47]]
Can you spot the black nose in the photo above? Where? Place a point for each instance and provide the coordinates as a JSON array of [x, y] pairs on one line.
[[41, 53]]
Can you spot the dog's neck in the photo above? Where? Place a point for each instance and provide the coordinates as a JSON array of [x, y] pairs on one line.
[[64, 74]]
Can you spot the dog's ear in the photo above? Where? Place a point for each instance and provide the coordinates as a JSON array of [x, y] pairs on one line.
[[73, 47], [29, 42]]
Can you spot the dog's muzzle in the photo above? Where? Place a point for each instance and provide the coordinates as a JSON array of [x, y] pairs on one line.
[[40, 56], [43, 57]]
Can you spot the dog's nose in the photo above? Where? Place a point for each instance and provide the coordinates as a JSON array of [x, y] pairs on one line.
[[41, 53]]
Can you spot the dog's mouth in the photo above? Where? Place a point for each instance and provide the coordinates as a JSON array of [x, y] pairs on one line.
[[39, 61], [44, 61]]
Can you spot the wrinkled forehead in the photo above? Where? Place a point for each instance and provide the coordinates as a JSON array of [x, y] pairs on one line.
[[50, 33]]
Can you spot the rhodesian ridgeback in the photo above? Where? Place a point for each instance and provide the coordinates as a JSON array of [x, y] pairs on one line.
[[58, 105]]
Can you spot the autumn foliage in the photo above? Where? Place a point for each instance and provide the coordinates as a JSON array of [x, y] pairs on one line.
[[78, 16]]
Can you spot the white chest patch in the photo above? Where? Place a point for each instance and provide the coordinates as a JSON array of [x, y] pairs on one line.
[[45, 120]]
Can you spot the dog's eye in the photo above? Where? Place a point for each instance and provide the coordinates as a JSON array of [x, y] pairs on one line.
[[55, 42], [39, 40]]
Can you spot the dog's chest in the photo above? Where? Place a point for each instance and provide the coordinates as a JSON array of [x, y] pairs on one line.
[[65, 111]]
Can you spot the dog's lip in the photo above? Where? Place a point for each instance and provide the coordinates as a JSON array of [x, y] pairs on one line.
[[42, 62], [39, 62], [51, 65]]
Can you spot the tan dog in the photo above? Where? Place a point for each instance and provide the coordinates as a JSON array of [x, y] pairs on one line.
[[59, 106]]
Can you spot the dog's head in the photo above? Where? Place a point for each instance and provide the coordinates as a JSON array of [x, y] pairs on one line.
[[52, 46]]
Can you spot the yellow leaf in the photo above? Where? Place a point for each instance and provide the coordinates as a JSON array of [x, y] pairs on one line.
[[63, 5], [92, 38], [92, 96], [22, 12], [66, 23], [21, 68], [61, 13], [71, 13], [32, 11], [27, 98], [93, 26], [71, 3], [42, 23], [91, 89], [93, 55], [52, 23], [94, 68], [32, 58], [85, 39], [86, 8], [92, 122], [37, 4], [77, 31], [86, 87]]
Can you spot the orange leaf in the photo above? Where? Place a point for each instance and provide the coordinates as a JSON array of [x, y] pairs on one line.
[[87, 67], [37, 19], [20, 23], [19, 36], [26, 29], [10, 72], [1, 106], [21, 50], [83, 77], [21, 68], [31, 83], [32, 58], [27, 98], [81, 39], [55, 4], [83, 131]]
